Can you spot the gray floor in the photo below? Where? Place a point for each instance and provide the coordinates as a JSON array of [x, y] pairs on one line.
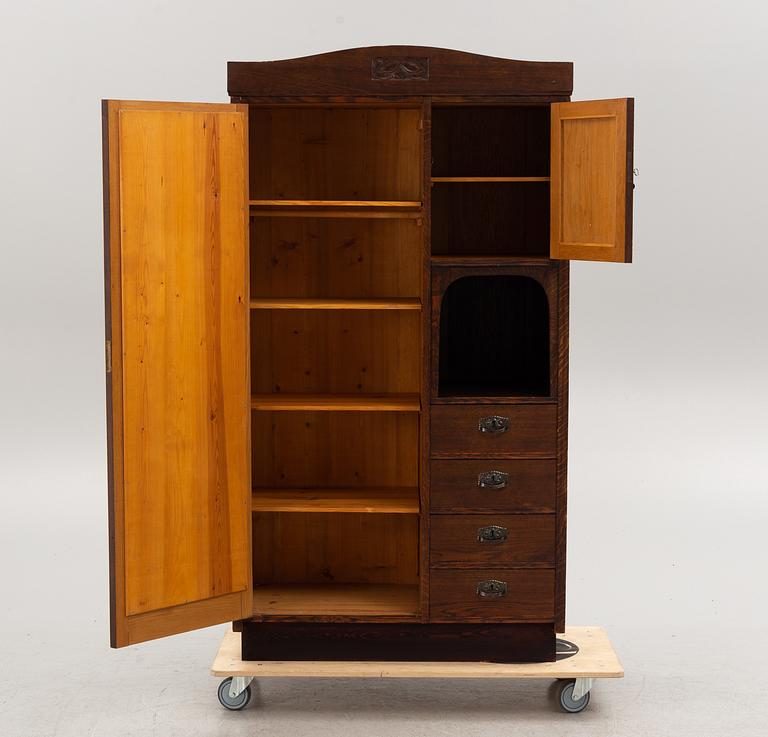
[[678, 683]]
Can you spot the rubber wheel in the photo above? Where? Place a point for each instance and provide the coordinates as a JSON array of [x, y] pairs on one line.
[[239, 702], [566, 700]]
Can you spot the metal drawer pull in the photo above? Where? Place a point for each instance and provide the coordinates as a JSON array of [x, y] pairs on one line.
[[493, 424], [493, 534], [491, 589], [492, 479]]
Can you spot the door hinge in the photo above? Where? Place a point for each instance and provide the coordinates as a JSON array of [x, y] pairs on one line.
[[108, 355]]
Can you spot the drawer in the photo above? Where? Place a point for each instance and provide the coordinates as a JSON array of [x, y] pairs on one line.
[[492, 486], [493, 430], [492, 595], [465, 540]]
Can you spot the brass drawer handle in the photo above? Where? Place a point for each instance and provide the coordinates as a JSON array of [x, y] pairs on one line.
[[492, 479], [491, 589], [493, 424], [493, 534]]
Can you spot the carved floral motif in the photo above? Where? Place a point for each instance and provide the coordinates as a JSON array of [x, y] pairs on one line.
[[400, 67]]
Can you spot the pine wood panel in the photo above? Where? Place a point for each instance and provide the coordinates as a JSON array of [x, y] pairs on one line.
[[596, 659], [591, 185], [396, 204], [335, 449], [178, 201], [338, 154], [304, 601], [295, 303], [336, 402], [298, 257], [335, 548], [391, 501], [335, 351]]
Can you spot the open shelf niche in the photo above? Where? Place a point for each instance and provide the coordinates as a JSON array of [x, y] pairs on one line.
[[336, 342]]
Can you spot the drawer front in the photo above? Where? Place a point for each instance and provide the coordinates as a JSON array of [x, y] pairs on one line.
[[485, 541], [492, 486], [493, 430], [492, 595]]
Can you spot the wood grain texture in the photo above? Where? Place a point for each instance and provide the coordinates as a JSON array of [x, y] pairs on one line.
[[332, 204], [368, 155], [335, 449], [532, 431], [319, 547], [178, 246], [398, 642], [348, 73], [530, 486], [312, 601], [596, 659], [381, 501], [333, 257], [299, 303], [354, 352], [591, 180], [562, 440], [453, 596], [530, 541]]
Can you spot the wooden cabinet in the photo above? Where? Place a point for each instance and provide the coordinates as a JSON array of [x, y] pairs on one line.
[[337, 335]]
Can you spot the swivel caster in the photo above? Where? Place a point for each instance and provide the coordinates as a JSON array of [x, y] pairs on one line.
[[233, 703], [565, 697]]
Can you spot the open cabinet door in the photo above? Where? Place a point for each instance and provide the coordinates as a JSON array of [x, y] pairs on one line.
[[176, 217], [591, 180]]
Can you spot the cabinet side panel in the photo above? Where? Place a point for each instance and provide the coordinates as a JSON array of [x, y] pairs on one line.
[[562, 443]]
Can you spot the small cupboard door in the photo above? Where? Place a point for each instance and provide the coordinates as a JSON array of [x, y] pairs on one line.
[[591, 180], [176, 209]]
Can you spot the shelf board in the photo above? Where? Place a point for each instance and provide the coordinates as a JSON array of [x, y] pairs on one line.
[[490, 179], [336, 208], [490, 261], [383, 501], [273, 303], [353, 599], [337, 402]]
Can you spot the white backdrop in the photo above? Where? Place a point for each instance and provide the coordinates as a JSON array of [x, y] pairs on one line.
[[668, 446]]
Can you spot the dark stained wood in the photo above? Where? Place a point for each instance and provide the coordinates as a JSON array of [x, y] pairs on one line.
[[454, 598], [530, 486], [455, 541], [519, 643], [473, 141], [630, 192], [562, 441], [360, 72], [425, 352], [531, 431]]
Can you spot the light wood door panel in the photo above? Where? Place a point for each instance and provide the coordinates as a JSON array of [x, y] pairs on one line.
[[177, 223], [591, 180]]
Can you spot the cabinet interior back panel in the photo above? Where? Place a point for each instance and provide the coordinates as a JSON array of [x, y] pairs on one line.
[[335, 449], [335, 257], [335, 351], [317, 153]]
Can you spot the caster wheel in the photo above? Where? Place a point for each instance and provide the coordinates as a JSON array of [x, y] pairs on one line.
[[233, 704], [566, 700]]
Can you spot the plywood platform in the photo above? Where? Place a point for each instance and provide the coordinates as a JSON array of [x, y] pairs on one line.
[[596, 659]]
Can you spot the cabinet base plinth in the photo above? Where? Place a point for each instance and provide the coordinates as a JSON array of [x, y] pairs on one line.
[[495, 643]]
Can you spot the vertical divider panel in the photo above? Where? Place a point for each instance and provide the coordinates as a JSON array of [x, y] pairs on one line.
[[424, 417]]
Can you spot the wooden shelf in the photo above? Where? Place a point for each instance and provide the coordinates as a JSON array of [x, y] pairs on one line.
[[490, 179], [272, 303], [383, 501], [490, 261], [337, 402], [314, 600], [336, 208]]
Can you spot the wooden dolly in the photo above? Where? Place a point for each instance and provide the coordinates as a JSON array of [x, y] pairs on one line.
[[575, 671]]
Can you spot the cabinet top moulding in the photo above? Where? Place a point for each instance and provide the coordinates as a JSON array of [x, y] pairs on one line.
[[397, 72]]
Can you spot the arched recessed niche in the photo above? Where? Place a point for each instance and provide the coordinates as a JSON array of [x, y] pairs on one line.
[[494, 338]]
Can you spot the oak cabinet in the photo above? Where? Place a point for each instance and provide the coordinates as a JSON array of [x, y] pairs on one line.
[[337, 334]]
